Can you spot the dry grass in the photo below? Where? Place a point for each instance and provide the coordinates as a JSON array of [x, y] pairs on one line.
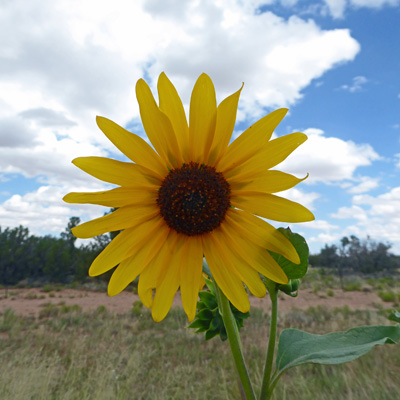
[[68, 354]]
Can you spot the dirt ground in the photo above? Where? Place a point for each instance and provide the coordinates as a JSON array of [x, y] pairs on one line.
[[29, 302]]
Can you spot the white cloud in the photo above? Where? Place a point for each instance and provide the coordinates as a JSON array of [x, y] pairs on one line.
[[323, 237], [398, 160], [365, 184], [297, 195], [374, 3], [377, 216], [43, 210], [321, 224], [336, 7], [67, 61], [328, 159], [70, 60], [353, 212], [357, 85]]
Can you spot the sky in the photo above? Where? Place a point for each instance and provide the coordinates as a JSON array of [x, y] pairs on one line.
[[334, 63]]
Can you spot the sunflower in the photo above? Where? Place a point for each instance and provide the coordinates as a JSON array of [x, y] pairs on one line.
[[192, 194]]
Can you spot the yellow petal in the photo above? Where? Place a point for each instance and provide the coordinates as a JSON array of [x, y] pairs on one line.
[[272, 207], [171, 105], [153, 274], [271, 154], [226, 118], [268, 182], [157, 126], [202, 118], [251, 140], [117, 172], [261, 233], [191, 274], [118, 197], [130, 268], [166, 290], [252, 254], [123, 218], [243, 270], [133, 146], [227, 280], [124, 245]]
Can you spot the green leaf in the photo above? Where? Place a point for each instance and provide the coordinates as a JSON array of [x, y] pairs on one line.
[[395, 316], [297, 347], [293, 271]]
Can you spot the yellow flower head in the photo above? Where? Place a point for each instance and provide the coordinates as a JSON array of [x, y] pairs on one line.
[[194, 194]]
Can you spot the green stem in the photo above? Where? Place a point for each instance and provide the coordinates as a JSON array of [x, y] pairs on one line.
[[266, 393], [234, 342]]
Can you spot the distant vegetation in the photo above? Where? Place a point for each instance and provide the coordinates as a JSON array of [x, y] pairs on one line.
[[354, 257], [37, 260]]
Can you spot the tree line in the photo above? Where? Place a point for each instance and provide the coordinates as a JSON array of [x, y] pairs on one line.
[[43, 259], [357, 256]]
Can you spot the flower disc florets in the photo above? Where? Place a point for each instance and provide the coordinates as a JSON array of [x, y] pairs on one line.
[[194, 199]]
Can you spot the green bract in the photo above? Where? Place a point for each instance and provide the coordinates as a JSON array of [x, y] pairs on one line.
[[208, 318]]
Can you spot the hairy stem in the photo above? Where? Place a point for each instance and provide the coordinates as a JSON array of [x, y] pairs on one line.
[[266, 391], [234, 342]]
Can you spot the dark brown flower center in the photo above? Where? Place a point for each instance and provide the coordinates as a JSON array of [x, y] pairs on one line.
[[194, 199]]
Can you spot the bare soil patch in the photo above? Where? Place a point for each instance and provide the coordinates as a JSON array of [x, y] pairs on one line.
[[29, 302]]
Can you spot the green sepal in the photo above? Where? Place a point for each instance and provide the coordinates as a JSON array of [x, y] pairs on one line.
[[291, 288], [208, 318], [209, 300], [216, 323], [210, 334], [205, 314], [197, 323]]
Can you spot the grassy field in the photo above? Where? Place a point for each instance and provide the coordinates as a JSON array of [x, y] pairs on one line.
[[68, 354]]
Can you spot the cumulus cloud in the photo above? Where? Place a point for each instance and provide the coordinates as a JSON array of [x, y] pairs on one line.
[[307, 199], [43, 210], [328, 159], [376, 216], [364, 184], [67, 61], [15, 132], [47, 117], [322, 225]]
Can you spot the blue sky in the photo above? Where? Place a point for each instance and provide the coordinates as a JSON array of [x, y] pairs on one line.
[[334, 63]]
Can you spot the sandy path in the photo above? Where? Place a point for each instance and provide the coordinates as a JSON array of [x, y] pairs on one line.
[[29, 302]]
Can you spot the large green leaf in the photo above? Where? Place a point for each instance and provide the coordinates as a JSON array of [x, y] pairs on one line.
[[293, 271], [297, 347]]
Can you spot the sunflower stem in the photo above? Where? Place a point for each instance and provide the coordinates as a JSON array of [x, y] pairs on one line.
[[266, 390], [234, 342]]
